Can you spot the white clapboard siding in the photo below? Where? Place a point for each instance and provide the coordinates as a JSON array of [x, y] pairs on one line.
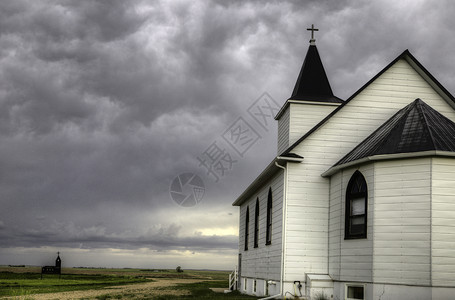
[[335, 225], [402, 218], [298, 119], [263, 262], [304, 117], [339, 135], [306, 223], [350, 260], [283, 132], [443, 222]]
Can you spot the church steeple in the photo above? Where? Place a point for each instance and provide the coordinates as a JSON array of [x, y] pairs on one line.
[[312, 100], [58, 261], [312, 83]]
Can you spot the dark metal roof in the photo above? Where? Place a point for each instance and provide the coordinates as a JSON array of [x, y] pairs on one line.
[[312, 83], [405, 55], [415, 128]]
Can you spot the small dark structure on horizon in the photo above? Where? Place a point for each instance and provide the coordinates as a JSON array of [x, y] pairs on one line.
[[51, 269]]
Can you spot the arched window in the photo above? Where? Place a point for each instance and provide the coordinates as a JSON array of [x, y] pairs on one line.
[[256, 223], [268, 235], [356, 208], [247, 227]]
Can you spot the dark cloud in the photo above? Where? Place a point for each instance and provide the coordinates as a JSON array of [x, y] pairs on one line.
[[103, 103]]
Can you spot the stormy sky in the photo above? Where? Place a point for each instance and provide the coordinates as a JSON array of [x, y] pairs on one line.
[[104, 103]]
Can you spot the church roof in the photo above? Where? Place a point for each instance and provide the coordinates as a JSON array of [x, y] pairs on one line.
[[265, 176], [413, 62], [312, 83], [415, 128]]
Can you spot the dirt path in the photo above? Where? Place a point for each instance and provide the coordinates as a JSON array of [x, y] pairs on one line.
[[132, 291]]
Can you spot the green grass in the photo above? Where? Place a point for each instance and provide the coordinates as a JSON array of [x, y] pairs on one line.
[[19, 284], [25, 282]]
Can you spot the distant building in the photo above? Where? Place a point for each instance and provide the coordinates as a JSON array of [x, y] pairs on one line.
[[57, 269], [359, 202], [58, 261]]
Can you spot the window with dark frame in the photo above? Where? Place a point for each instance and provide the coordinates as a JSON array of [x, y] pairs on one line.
[[247, 227], [356, 207], [354, 292], [256, 224], [268, 236]]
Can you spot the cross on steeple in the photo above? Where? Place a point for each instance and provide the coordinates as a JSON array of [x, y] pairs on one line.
[[312, 29]]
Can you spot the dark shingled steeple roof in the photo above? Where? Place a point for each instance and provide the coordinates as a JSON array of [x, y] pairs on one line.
[[312, 83], [415, 128]]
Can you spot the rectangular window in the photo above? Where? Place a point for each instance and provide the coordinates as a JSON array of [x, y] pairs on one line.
[[247, 227], [357, 216], [266, 288], [268, 235], [355, 292], [244, 284], [254, 286], [256, 224]]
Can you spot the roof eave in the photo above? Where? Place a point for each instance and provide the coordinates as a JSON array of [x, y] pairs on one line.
[[289, 159], [380, 157], [432, 81], [269, 171]]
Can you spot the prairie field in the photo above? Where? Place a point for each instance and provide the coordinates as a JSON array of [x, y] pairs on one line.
[[94, 283]]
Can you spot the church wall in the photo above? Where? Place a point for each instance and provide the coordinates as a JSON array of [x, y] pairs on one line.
[[443, 222], [298, 119], [263, 262], [283, 132], [402, 218], [308, 192], [335, 225], [350, 260], [304, 116], [306, 222], [399, 86]]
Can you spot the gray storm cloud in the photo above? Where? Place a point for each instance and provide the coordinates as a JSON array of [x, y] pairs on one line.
[[103, 103]]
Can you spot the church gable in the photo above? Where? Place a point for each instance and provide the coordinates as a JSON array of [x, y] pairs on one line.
[[392, 89]]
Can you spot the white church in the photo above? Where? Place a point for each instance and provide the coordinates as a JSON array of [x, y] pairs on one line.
[[359, 202]]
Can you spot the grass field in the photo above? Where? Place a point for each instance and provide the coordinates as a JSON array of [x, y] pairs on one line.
[[14, 284], [26, 283]]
